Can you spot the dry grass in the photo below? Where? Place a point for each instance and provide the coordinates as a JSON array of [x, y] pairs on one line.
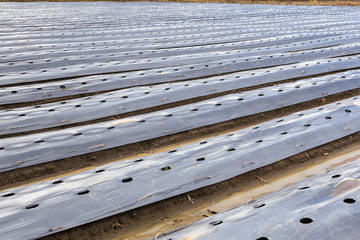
[[282, 2]]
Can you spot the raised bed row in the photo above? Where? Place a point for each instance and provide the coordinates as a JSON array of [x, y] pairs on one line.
[[238, 63], [226, 107], [111, 25], [118, 187], [48, 146], [98, 83], [322, 207], [266, 43]]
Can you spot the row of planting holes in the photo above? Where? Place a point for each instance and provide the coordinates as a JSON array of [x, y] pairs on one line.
[[150, 33], [200, 35], [129, 179], [218, 104], [82, 192], [180, 49], [141, 74], [209, 28], [212, 25], [305, 220], [212, 46], [179, 57], [166, 168], [217, 44], [143, 33], [165, 38], [84, 83], [194, 110], [65, 50]]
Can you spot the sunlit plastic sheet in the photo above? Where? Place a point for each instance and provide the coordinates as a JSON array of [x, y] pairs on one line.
[[40, 44], [304, 19], [310, 209], [131, 65], [64, 54], [226, 107], [213, 33], [206, 32], [242, 79], [42, 147], [120, 186], [266, 45]]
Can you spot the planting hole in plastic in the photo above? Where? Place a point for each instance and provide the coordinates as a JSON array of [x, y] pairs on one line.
[[83, 192], [349, 200], [32, 205], [127, 179], [306, 220], [215, 223], [167, 168], [260, 205], [58, 181], [8, 194]]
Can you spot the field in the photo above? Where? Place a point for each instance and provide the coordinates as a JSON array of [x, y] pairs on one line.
[[149, 120]]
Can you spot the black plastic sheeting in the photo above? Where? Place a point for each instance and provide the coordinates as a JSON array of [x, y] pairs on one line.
[[92, 84], [226, 107], [322, 207], [95, 194]]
